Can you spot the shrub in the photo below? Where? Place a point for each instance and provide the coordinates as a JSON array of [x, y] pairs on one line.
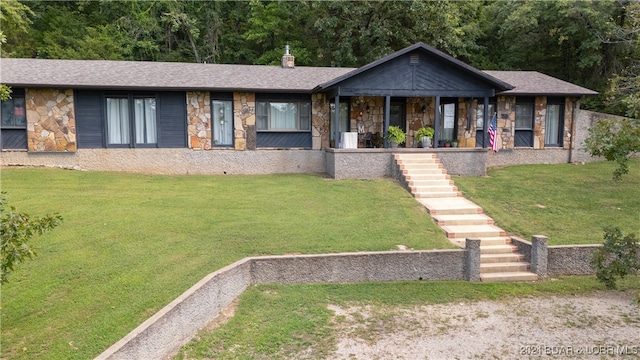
[[16, 230], [617, 258]]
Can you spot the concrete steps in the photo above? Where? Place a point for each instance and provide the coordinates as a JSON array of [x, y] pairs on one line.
[[425, 177]]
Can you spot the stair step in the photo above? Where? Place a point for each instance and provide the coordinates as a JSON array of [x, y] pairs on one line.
[[450, 206], [426, 177], [434, 194], [463, 219], [486, 241], [497, 249], [509, 276], [429, 182], [433, 188], [420, 166], [500, 258], [503, 267], [424, 171], [421, 156], [473, 231]]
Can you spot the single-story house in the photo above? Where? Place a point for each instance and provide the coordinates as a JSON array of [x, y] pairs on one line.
[[220, 118]]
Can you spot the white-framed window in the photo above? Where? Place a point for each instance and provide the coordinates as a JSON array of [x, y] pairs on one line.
[[142, 131], [222, 118], [118, 128], [554, 122], [283, 116]]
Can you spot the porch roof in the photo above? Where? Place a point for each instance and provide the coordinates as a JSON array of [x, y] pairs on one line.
[[417, 70]]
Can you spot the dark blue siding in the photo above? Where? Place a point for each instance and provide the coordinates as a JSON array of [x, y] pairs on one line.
[[13, 139], [172, 120], [283, 139], [89, 123]]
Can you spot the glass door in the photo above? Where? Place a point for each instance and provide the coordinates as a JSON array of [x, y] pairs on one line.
[[222, 112]]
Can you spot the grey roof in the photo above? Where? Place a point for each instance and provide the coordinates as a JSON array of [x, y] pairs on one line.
[[222, 77], [498, 83], [162, 75], [536, 83]]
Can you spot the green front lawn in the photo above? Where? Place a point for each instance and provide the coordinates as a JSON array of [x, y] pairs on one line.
[[130, 244], [570, 204]]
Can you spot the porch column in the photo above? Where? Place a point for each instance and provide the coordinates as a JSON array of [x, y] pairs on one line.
[[485, 123], [387, 115], [335, 122], [436, 123]]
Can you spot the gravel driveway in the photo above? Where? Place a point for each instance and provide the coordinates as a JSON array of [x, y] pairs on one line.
[[597, 325]]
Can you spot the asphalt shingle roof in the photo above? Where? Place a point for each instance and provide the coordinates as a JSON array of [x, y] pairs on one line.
[[536, 83], [223, 77], [162, 75]]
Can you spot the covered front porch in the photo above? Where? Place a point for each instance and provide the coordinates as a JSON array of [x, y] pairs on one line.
[[414, 88]]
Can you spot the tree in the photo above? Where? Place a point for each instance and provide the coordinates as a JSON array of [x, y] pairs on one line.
[[617, 258], [615, 140], [16, 231], [619, 140]]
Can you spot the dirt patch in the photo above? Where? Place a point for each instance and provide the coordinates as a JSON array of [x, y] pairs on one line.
[[595, 325]]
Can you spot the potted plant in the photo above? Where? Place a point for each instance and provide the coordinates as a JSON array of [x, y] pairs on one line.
[[396, 136], [425, 136], [454, 143]]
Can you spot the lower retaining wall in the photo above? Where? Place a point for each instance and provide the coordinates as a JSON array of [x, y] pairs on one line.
[[177, 323], [359, 267]]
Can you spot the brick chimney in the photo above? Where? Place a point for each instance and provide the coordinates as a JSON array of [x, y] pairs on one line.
[[288, 60]]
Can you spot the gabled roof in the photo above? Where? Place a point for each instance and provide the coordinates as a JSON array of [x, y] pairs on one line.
[[536, 83], [499, 84], [162, 75]]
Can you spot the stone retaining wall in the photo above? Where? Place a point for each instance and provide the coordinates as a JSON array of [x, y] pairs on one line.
[[176, 324]]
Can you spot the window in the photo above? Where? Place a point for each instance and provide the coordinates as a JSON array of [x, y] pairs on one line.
[[480, 132], [480, 114], [14, 113], [120, 110], [524, 121], [222, 117], [448, 122], [283, 116], [344, 117], [554, 122], [13, 120]]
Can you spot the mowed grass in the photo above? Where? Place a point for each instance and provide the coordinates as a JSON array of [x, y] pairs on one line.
[[570, 204], [130, 244], [283, 321]]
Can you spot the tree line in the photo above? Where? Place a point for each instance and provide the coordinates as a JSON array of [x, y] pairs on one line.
[[589, 43]]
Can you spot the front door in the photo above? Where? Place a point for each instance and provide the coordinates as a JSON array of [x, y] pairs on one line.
[[397, 116]]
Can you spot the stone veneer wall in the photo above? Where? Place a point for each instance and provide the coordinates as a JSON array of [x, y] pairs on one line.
[[320, 121], [199, 120], [416, 118], [51, 124], [244, 120]]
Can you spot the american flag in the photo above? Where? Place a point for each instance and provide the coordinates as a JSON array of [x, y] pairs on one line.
[[493, 133]]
